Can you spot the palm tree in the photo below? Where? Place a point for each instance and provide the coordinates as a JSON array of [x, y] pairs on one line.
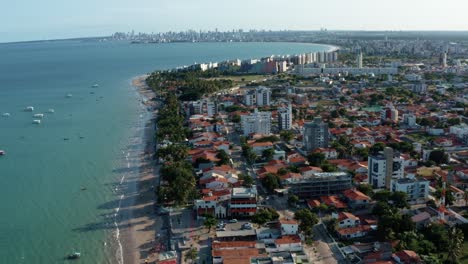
[[455, 243], [191, 254]]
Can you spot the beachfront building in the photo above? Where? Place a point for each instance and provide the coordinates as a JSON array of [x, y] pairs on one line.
[[204, 107], [256, 123]]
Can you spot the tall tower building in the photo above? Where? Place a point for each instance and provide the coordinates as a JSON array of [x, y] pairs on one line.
[[359, 59], [443, 59], [263, 96], [384, 167], [315, 135], [285, 117], [257, 123]]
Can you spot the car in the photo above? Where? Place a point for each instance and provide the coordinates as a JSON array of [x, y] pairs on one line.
[[233, 221], [221, 229], [247, 226]]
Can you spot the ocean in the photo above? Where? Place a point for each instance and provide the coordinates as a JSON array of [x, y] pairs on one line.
[[59, 181]]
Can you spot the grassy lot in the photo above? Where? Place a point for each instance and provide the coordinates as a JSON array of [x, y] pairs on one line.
[[244, 79]]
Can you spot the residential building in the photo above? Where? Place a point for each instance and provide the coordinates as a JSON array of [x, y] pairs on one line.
[[285, 117], [316, 135], [417, 189], [250, 98], [243, 201], [356, 199], [263, 95], [204, 107], [383, 167], [257, 123], [289, 227], [389, 113], [319, 184]]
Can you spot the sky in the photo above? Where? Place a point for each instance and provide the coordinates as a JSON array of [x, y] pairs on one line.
[[22, 20]]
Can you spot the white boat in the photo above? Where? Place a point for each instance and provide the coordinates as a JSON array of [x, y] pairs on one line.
[[6, 114], [95, 85], [36, 121], [38, 115], [51, 111], [29, 109], [69, 95], [2, 152]]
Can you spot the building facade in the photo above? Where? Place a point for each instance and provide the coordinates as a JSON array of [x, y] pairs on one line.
[[383, 167], [416, 189], [316, 135], [257, 123], [319, 184], [285, 118], [243, 202]]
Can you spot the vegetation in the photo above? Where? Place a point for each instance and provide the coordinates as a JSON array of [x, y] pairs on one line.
[[293, 200], [307, 220], [265, 215], [191, 255], [271, 182], [287, 135], [246, 179], [180, 187], [210, 222]]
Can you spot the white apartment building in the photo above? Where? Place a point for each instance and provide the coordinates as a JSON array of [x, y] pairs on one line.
[[416, 189], [263, 95], [384, 167], [204, 107], [285, 117], [257, 123]]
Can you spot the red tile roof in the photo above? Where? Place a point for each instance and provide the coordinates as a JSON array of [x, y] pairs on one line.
[[356, 195]]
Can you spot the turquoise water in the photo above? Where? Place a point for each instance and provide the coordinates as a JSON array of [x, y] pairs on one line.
[[44, 214]]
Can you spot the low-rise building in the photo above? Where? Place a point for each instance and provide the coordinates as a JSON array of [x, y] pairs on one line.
[[417, 189], [243, 202], [320, 184]]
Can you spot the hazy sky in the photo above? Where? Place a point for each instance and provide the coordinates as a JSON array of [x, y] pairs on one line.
[[49, 19]]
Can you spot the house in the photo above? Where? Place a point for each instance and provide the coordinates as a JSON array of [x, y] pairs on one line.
[[356, 199], [333, 201], [406, 257], [309, 171], [259, 147], [347, 220], [421, 219], [289, 227], [329, 153], [289, 243], [353, 232]]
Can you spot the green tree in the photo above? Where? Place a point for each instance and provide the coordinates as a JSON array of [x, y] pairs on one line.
[[265, 215], [173, 153], [366, 189], [271, 181], [399, 199], [307, 220], [287, 135], [455, 244], [191, 255], [379, 146], [223, 157], [293, 200], [209, 222], [268, 154], [316, 158], [246, 179]]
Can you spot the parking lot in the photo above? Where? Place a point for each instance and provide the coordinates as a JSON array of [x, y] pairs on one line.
[[228, 226]]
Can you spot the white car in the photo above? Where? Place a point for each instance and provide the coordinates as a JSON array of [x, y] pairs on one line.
[[233, 221]]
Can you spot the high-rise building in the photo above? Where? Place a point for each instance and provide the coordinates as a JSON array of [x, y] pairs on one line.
[[250, 98], [389, 113], [316, 135], [443, 59], [417, 190], [384, 167], [359, 59], [285, 117], [263, 95], [257, 123]]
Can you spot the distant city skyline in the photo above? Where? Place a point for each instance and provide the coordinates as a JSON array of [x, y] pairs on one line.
[[25, 20]]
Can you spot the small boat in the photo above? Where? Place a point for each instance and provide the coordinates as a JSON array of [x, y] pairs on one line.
[[6, 114], [51, 111], [74, 255], [83, 188], [36, 121], [66, 139], [69, 95], [29, 109], [95, 85], [2, 153], [38, 115]]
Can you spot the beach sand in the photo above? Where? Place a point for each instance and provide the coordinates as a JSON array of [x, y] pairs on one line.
[[140, 221]]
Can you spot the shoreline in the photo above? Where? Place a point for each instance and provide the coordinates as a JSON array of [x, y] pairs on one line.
[[139, 221]]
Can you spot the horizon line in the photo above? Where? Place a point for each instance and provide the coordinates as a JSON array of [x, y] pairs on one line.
[[224, 31]]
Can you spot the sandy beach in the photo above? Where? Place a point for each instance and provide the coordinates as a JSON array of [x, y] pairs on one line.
[[140, 221]]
